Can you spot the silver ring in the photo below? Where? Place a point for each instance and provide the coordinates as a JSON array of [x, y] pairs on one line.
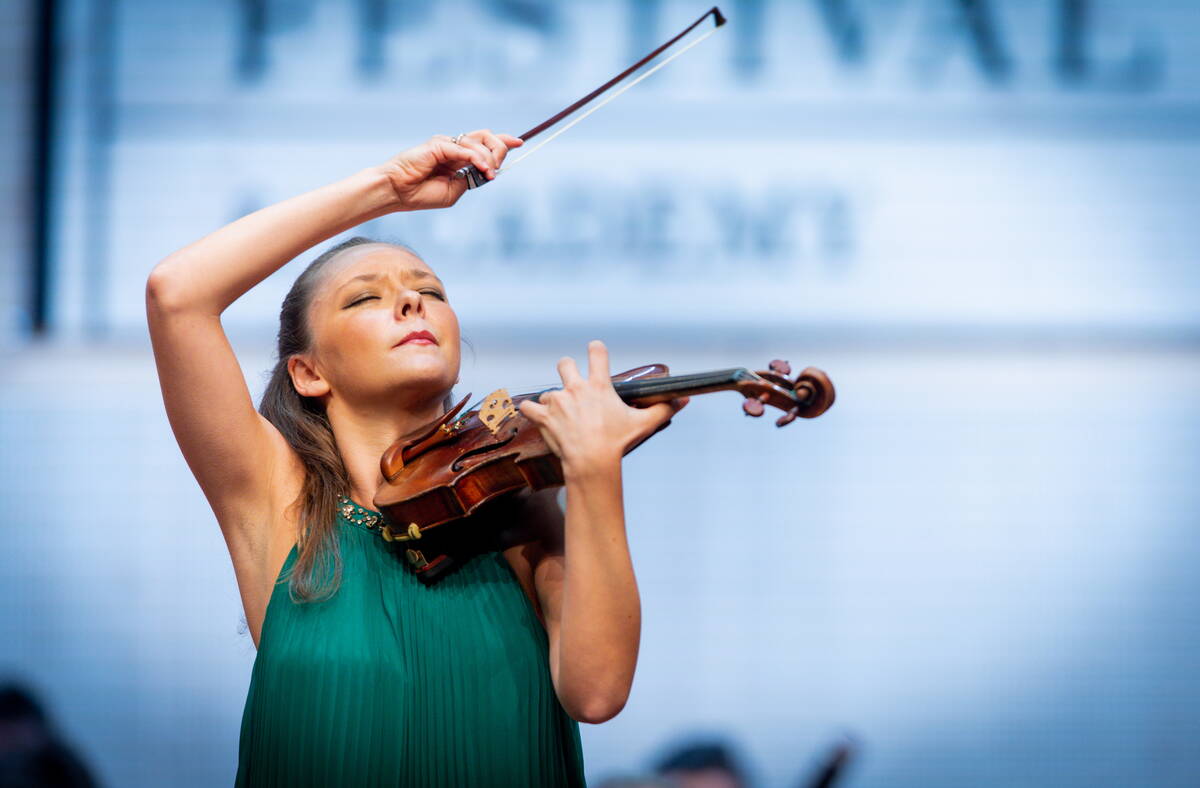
[[456, 138]]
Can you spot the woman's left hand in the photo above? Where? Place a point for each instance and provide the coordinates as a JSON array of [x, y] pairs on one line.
[[585, 423]]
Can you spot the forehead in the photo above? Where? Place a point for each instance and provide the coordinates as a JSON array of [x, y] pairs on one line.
[[371, 259]]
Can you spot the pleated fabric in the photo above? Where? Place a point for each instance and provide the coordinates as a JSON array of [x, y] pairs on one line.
[[392, 683]]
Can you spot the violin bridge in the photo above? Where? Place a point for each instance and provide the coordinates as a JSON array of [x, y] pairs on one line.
[[496, 407]]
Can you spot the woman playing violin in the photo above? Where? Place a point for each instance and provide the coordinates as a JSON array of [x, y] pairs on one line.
[[363, 675]]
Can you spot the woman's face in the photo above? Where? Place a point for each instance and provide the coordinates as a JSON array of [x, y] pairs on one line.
[[382, 327]]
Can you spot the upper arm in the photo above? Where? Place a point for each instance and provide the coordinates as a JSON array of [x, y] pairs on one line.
[[539, 564], [232, 450]]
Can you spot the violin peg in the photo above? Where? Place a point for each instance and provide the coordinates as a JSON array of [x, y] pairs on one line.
[[753, 407], [788, 417], [780, 367]]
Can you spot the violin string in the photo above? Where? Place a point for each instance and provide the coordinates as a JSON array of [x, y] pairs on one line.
[[535, 148]]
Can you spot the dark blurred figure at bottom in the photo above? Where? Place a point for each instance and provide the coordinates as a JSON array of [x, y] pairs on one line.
[[31, 753], [712, 763], [703, 764]]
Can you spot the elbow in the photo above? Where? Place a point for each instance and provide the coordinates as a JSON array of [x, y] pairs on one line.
[[597, 710], [164, 293], [159, 291]]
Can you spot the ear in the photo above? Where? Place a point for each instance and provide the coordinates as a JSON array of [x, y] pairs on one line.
[[305, 377]]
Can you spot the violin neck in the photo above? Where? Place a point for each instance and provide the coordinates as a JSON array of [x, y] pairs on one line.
[[647, 391]]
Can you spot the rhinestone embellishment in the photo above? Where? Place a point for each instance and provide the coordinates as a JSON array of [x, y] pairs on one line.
[[357, 514]]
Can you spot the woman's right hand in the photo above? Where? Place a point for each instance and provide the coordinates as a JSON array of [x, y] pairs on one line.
[[423, 177]]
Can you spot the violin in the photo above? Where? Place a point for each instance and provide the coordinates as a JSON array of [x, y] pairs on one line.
[[441, 484]]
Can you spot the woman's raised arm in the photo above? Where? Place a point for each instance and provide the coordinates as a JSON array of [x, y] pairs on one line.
[[235, 454]]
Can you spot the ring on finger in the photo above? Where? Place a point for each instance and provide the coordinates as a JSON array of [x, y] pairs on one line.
[[455, 139]]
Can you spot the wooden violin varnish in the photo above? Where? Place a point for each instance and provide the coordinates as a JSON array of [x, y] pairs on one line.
[[444, 487]]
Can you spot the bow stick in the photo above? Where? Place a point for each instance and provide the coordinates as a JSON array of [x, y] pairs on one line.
[[475, 178]]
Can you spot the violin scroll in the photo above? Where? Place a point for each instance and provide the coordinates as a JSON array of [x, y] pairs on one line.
[[808, 396]]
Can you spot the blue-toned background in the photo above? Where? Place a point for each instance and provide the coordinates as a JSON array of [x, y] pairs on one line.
[[978, 216]]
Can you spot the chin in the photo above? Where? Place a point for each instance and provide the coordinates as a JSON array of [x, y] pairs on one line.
[[435, 377]]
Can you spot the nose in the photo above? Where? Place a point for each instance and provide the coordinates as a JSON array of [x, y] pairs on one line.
[[409, 303]]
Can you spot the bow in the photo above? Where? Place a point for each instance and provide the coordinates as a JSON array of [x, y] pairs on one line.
[[476, 179]]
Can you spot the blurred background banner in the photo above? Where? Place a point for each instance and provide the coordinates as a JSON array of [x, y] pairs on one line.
[[978, 216]]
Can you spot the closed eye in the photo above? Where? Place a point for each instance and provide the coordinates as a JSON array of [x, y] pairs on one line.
[[435, 293]]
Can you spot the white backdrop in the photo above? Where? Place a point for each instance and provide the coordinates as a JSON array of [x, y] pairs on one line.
[[980, 561]]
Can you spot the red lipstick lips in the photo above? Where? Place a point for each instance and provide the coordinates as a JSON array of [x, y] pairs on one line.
[[418, 337]]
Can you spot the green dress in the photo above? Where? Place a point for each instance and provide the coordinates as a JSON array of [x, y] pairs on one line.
[[392, 683]]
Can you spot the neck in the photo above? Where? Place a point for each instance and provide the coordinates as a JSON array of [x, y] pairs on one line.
[[648, 390], [364, 434]]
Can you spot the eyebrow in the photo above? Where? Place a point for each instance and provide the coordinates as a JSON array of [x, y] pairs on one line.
[[415, 273]]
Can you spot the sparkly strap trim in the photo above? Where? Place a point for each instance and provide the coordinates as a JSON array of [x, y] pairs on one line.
[[354, 514]]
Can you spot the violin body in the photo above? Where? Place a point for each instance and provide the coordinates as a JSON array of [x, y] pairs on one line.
[[440, 484], [453, 470]]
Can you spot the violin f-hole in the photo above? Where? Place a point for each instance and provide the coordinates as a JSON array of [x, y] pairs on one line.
[[457, 465]]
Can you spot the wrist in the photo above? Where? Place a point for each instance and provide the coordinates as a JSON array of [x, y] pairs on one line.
[[382, 190], [587, 469]]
